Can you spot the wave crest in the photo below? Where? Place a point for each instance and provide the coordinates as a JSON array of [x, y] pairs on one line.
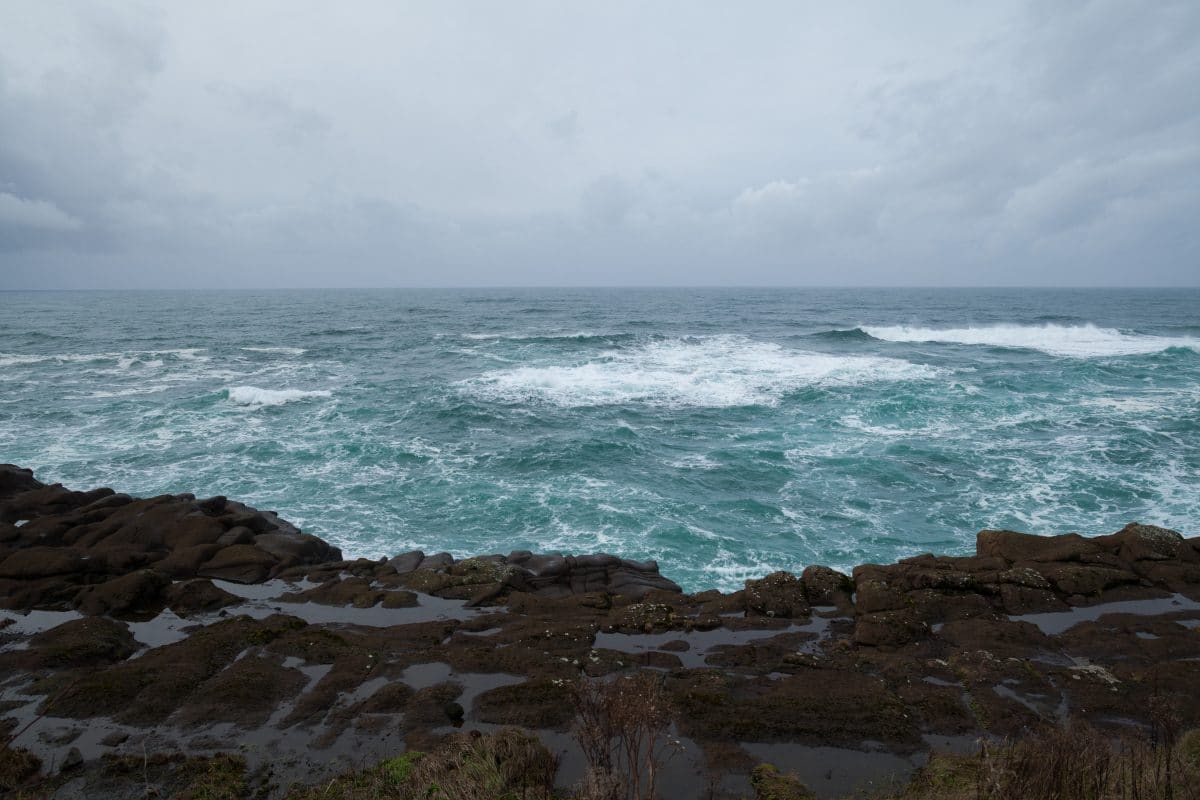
[[258, 398], [843, 335], [1073, 341], [716, 372], [287, 351]]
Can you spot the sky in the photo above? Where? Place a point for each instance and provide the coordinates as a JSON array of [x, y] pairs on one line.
[[290, 143]]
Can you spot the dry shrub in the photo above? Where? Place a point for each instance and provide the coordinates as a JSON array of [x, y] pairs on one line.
[[16, 768], [508, 765], [1076, 762], [622, 727]]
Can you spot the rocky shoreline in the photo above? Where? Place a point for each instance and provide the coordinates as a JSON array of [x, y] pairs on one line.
[[170, 629]]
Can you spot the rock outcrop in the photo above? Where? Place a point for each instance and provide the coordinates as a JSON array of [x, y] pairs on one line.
[[550, 575], [1015, 574], [109, 553]]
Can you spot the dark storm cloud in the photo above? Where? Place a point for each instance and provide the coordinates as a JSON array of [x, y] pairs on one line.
[[276, 143]]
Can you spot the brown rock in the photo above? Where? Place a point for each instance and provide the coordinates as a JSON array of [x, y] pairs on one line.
[[44, 562], [780, 594], [388, 699], [186, 598], [826, 587], [185, 561], [87, 642], [534, 704], [296, 548], [1024, 600], [239, 534], [246, 693], [1013, 546], [1137, 542], [241, 563], [16, 480], [191, 530], [355, 592], [137, 591], [1085, 579], [889, 629], [874, 592]]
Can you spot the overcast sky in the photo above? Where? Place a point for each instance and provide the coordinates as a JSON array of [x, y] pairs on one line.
[[284, 143]]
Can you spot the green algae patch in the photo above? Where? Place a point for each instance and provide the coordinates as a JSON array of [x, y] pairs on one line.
[[771, 784]]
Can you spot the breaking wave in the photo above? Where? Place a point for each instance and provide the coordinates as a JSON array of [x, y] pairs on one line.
[[716, 372], [1073, 341], [256, 397]]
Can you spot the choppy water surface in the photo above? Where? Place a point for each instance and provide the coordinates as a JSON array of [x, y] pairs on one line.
[[724, 432]]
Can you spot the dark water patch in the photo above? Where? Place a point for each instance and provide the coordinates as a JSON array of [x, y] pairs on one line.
[[843, 335], [560, 339], [1059, 319], [338, 332]]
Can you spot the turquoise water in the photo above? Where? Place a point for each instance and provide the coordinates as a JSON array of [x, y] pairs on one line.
[[724, 432]]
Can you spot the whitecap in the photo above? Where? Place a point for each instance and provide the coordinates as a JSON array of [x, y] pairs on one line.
[[1074, 341], [125, 363], [289, 351], [483, 337], [256, 397], [1127, 405], [122, 361], [729, 572], [14, 360], [857, 423], [101, 394], [713, 372], [697, 461], [182, 353]]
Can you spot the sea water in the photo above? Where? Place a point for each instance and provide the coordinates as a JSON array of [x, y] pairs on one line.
[[726, 433]]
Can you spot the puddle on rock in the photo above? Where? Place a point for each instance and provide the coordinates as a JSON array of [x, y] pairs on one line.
[[1052, 623], [833, 772], [701, 644]]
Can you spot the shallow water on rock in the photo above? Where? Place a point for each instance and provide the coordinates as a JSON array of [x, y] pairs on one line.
[[1056, 622]]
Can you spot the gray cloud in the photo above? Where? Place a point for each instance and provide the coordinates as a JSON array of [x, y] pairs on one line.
[[273, 143]]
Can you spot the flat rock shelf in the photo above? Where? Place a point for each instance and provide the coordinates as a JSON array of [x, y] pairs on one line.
[[143, 634]]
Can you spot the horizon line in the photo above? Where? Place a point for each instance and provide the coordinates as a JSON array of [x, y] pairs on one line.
[[511, 287]]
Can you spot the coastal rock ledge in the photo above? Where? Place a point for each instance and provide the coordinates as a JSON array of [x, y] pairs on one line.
[[203, 629]]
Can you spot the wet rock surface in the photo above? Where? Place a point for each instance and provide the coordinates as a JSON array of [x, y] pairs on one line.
[[196, 628]]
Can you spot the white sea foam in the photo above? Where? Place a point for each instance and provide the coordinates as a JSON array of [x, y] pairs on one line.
[[1132, 405], [548, 335], [103, 394], [136, 362], [15, 359], [185, 353], [123, 360], [857, 423], [255, 397], [289, 351], [715, 372], [483, 337], [697, 461], [1075, 341]]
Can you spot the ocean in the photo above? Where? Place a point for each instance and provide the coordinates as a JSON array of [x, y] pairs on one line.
[[726, 433]]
